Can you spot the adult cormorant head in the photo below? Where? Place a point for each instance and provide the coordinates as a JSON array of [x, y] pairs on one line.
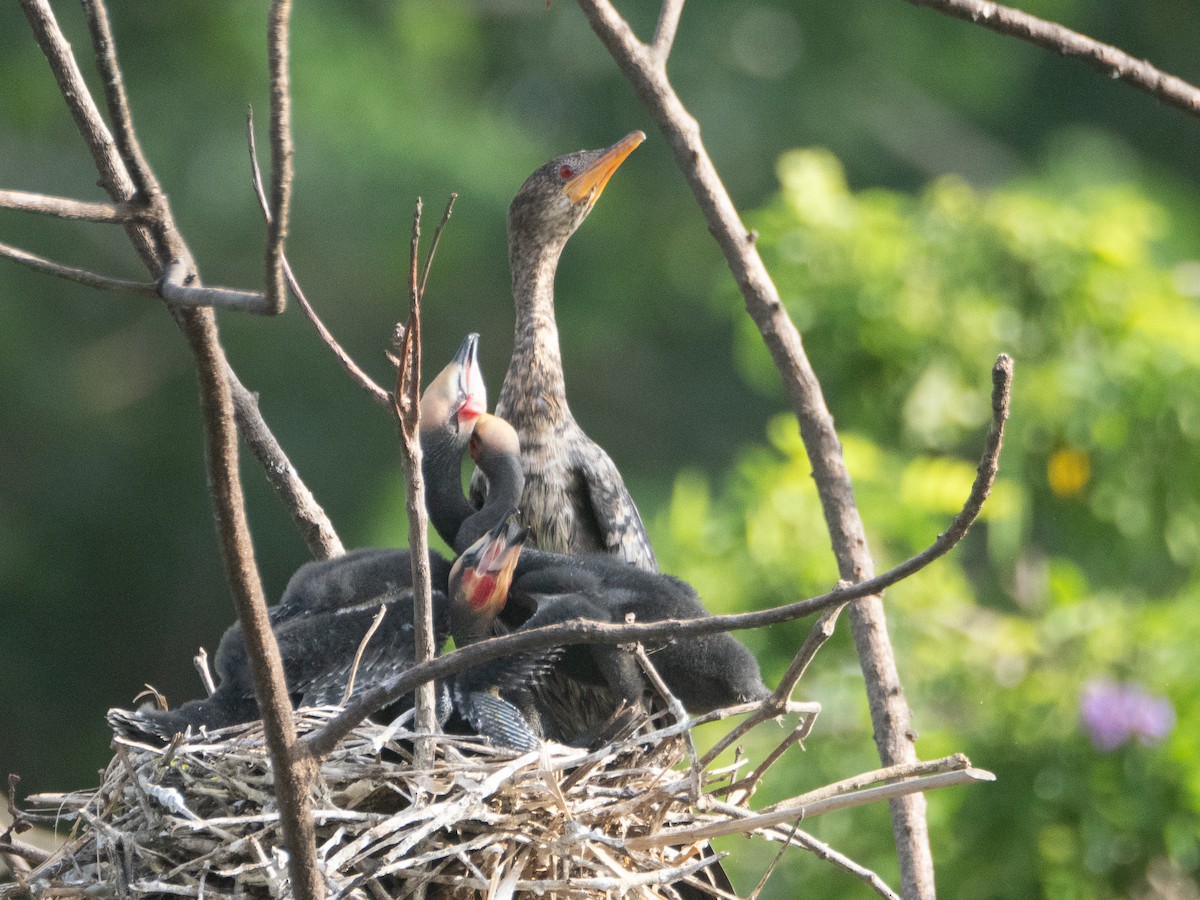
[[556, 198], [480, 579], [457, 396]]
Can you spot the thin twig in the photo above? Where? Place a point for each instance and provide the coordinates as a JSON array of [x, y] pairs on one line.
[[200, 661], [805, 841], [320, 742], [281, 151], [67, 208], [358, 654], [801, 809], [80, 276], [378, 394], [310, 518], [433, 244], [1104, 58]]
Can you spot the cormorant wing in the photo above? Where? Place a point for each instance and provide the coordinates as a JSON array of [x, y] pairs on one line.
[[618, 525]]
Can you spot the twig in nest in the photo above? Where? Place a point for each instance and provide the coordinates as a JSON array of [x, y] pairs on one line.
[[200, 661], [362, 646]]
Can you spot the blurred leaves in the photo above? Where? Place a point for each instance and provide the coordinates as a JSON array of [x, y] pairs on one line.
[[1083, 565]]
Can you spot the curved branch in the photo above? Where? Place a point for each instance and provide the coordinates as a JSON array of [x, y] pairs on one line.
[[378, 394], [81, 276], [1104, 58], [579, 631]]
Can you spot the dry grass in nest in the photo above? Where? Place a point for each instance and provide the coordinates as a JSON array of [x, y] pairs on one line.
[[198, 818]]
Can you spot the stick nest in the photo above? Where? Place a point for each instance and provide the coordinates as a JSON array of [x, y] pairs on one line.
[[198, 819]]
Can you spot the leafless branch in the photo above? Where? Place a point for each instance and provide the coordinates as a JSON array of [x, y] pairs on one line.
[[804, 808], [579, 631], [125, 174], [378, 394], [1104, 58], [358, 654], [22, 850], [310, 519], [793, 836], [646, 68], [407, 408], [664, 31], [294, 775], [433, 244], [66, 208], [281, 150], [180, 286], [81, 276]]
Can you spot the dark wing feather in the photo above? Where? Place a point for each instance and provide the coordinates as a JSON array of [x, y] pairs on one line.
[[618, 525]]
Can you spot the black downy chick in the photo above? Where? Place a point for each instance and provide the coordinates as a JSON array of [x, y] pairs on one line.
[[580, 687], [329, 605]]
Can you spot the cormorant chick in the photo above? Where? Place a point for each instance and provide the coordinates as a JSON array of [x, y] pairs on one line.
[[587, 683], [329, 605]]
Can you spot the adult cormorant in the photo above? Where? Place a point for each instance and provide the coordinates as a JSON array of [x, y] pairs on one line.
[[575, 500], [329, 605]]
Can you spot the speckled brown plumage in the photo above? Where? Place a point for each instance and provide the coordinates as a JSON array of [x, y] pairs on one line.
[[575, 500]]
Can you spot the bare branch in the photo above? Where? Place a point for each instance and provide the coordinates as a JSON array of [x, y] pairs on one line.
[[433, 245], [805, 841], [82, 276], [180, 286], [579, 631], [66, 208], [118, 103], [407, 407], [122, 168], [378, 394], [1104, 58], [294, 775], [801, 808], [664, 32], [358, 654], [281, 151], [311, 520], [22, 850], [647, 72]]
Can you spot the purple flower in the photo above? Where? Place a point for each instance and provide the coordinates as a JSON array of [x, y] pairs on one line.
[[1115, 713]]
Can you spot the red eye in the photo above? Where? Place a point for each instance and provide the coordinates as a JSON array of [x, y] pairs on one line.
[[566, 172]]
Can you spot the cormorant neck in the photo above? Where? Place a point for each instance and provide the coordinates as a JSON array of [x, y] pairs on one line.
[[505, 482], [441, 465], [536, 365]]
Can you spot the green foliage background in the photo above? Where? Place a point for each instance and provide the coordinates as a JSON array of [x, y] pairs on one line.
[[976, 196]]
